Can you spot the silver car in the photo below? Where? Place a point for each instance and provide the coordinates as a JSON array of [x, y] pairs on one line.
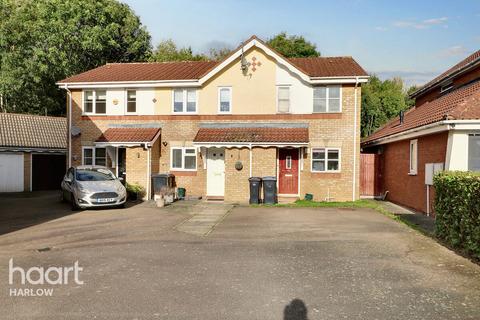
[[93, 186]]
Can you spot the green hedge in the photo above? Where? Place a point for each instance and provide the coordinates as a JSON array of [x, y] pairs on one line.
[[457, 210]]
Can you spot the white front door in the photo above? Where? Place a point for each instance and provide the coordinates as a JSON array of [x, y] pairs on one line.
[[216, 172]]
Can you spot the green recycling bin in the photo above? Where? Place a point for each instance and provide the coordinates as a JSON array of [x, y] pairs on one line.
[[181, 193]]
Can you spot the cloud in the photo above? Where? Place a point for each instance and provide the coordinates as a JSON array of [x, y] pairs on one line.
[[453, 51], [381, 28], [424, 24], [410, 78]]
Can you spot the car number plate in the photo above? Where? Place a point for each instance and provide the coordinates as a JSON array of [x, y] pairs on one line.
[[104, 200]]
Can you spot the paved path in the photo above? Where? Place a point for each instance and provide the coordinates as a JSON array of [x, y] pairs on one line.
[[421, 220], [206, 217]]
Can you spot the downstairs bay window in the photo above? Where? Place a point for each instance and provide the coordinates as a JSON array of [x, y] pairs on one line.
[[182, 158], [325, 160]]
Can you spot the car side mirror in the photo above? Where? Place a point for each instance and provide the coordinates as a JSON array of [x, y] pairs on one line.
[[120, 179], [68, 180]]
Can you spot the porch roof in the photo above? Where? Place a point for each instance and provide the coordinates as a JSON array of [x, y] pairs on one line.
[[128, 136], [252, 135]]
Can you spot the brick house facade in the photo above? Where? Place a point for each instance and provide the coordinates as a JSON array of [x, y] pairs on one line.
[[252, 102], [442, 128]]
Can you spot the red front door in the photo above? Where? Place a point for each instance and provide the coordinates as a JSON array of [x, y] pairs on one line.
[[288, 171]]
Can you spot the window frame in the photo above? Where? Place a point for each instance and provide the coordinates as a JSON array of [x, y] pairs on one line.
[[185, 102], [94, 156], [183, 158], [411, 169], [127, 101], [469, 158], [289, 98], [327, 99], [94, 102], [326, 160], [219, 109]]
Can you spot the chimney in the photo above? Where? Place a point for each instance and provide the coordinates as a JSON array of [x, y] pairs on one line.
[[401, 115]]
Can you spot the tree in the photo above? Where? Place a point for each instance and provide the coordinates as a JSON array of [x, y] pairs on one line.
[[167, 50], [43, 41], [382, 101], [292, 46]]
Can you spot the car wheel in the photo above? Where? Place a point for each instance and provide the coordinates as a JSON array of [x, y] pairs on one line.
[[122, 206]]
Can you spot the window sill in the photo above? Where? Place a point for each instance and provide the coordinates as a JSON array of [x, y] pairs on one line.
[[412, 173], [327, 112]]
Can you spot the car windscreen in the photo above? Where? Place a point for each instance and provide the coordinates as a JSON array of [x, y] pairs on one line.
[[94, 175]]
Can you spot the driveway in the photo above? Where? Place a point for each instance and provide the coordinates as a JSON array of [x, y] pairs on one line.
[[257, 263]]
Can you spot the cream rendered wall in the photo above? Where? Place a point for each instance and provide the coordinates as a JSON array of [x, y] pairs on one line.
[[115, 95], [457, 151], [301, 93], [252, 93], [145, 104]]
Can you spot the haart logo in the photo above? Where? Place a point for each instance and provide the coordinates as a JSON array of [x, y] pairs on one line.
[[41, 276]]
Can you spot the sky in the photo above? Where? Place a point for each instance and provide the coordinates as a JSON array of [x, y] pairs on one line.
[[415, 40]]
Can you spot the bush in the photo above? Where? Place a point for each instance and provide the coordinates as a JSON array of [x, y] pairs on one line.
[[457, 209], [135, 191]]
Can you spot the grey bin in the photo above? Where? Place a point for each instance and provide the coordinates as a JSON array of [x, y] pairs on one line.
[[270, 190], [163, 183], [255, 187]]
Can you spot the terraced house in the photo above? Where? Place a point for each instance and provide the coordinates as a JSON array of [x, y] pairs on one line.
[[214, 124]]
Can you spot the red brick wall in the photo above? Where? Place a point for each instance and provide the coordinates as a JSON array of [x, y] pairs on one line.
[[410, 190]]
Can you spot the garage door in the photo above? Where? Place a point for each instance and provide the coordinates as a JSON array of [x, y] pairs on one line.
[[11, 172], [47, 171]]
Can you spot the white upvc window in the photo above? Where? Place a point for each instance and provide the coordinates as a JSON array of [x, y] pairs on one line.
[[184, 101], [413, 157], [325, 160], [474, 152], [283, 99], [95, 101], [92, 156], [131, 101], [327, 99], [183, 158], [225, 100]]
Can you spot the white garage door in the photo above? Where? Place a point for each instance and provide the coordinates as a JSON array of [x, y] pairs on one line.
[[11, 172]]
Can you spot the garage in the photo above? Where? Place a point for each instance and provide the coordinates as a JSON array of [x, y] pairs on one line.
[[32, 152], [11, 172], [47, 171]]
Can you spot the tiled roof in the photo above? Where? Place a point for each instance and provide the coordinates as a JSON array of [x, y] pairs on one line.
[[460, 104], [128, 135], [329, 66], [194, 70], [465, 62], [254, 135], [144, 71], [32, 131]]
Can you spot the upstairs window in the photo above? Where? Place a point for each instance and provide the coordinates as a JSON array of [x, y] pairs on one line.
[[325, 160], [327, 99], [131, 101], [183, 159], [283, 99], [184, 101], [413, 157], [95, 101], [224, 100]]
